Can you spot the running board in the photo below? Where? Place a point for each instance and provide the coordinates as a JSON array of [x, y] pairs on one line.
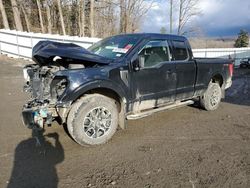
[[149, 112]]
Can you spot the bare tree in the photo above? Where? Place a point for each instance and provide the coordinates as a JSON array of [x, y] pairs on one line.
[[81, 18], [49, 26], [67, 15], [91, 18], [106, 21], [73, 16], [131, 13], [17, 17], [61, 16], [4, 16], [187, 10], [180, 23], [122, 16], [40, 15], [26, 18]]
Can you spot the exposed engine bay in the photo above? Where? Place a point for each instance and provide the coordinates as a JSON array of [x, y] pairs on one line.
[[44, 86], [44, 89], [42, 83]]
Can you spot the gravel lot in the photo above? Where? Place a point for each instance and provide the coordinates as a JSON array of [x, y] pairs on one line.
[[186, 147]]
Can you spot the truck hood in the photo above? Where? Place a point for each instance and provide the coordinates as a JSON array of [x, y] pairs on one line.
[[48, 52]]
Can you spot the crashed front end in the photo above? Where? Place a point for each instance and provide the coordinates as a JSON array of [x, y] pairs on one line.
[[59, 69], [45, 88]]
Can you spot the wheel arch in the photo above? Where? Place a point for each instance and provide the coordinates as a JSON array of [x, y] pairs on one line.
[[107, 89], [104, 87], [217, 78]]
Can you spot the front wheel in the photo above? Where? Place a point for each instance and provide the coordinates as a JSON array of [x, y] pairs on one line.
[[212, 97], [93, 119]]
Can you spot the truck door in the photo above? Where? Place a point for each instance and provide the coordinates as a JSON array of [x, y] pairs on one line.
[[155, 82], [185, 70]]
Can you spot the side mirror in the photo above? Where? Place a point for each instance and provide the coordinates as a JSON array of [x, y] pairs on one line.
[[139, 62]]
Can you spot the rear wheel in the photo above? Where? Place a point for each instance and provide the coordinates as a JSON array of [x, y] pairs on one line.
[[212, 97], [93, 119]]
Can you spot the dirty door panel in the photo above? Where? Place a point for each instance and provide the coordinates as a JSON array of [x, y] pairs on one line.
[[156, 80], [185, 71]]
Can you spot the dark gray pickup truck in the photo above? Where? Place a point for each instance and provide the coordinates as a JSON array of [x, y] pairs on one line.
[[93, 91]]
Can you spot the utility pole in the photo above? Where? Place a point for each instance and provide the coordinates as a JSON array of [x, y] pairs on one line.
[[171, 17]]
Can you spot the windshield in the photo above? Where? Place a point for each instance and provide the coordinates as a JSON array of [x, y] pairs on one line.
[[114, 47]]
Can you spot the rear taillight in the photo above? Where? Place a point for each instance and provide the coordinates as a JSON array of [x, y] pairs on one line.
[[231, 69]]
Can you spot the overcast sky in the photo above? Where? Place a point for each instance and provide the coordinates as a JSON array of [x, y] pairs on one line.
[[219, 18]]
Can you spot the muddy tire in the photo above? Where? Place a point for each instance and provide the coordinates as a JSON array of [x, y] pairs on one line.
[[93, 119], [212, 97]]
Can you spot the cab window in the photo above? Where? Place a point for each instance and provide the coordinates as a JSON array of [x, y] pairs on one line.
[[154, 52], [180, 50]]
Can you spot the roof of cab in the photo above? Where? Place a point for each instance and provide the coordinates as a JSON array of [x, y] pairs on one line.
[[155, 35]]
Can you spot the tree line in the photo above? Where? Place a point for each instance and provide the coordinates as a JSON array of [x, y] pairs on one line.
[[92, 18]]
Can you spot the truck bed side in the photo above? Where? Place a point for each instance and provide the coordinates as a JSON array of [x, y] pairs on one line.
[[212, 68]]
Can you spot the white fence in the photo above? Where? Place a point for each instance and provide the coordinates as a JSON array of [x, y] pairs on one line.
[[219, 52], [19, 44], [235, 53]]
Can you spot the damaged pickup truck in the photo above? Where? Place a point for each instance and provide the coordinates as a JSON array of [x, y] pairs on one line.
[[93, 91]]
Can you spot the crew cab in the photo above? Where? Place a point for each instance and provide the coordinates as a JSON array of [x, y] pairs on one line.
[[94, 91]]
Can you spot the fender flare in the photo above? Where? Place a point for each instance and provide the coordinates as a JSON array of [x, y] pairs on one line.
[[73, 95], [213, 75]]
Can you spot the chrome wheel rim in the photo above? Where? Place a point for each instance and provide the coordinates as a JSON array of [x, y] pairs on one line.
[[97, 122], [215, 97]]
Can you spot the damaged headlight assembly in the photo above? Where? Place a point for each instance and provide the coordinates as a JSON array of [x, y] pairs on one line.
[[58, 87], [39, 113]]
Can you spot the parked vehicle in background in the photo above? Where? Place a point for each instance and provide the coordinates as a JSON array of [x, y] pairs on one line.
[[245, 63], [119, 78]]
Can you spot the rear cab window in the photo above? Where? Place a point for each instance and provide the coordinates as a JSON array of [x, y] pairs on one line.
[[180, 51]]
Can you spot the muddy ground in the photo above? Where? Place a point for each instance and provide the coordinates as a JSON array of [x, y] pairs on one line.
[[186, 147]]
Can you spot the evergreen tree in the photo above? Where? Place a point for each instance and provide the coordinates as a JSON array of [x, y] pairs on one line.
[[242, 40]]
